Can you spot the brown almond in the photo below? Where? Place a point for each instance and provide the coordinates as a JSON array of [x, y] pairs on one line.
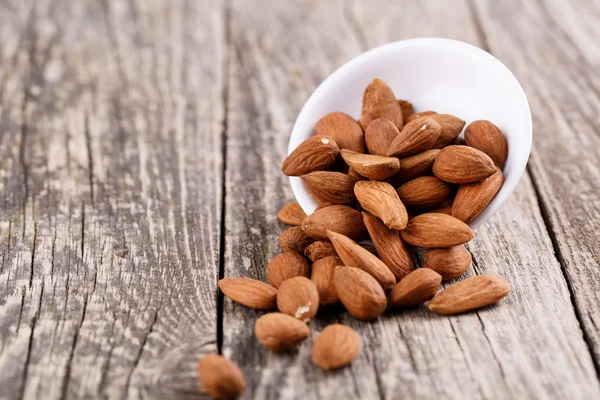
[[280, 332], [291, 214], [342, 219], [381, 200], [379, 102], [319, 249], [450, 263], [436, 230], [406, 108], [285, 266], [314, 154], [322, 275], [424, 193], [354, 255], [471, 199], [414, 166], [359, 292], [419, 115], [371, 166], [470, 294], [330, 188], [451, 127], [416, 137], [337, 345], [299, 298], [390, 247], [352, 173], [487, 137], [221, 378], [294, 239], [462, 164], [249, 292], [379, 135], [346, 132], [416, 288]]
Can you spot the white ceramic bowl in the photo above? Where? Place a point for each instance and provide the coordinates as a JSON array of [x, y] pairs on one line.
[[444, 75]]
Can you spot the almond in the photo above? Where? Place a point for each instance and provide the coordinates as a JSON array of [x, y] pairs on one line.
[[286, 266], [379, 102], [424, 193], [221, 378], [354, 255], [450, 263], [291, 214], [314, 154], [249, 292], [475, 292], [419, 115], [318, 250], [379, 135], [359, 292], [451, 127], [414, 166], [294, 239], [342, 219], [390, 247], [330, 188], [406, 108], [416, 288], [416, 137], [299, 298], [487, 137], [371, 166], [381, 200], [471, 199], [280, 332], [346, 132], [352, 173], [336, 346], [462, 164], [436, 230], [322, 275]]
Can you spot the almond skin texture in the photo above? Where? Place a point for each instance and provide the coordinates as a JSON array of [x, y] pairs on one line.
[[381, 200], [436, 230], [354, 255], [336, 346], [280, 332], [390, 247], [322, 275], [414, 166], [314, 154], [473, 198], [379, 102], [249, 292], [299, 298], [286, 266], [359, 292], [352, 173], [462, 164], [320, 249], [406, 108], [221, 378], [451, 127], [416, 288], [487, 137], [450, 263], [416, 137], [371, 166], [294, 239], [379, 136], [346, 132], [424, 193], [291, 214], [470, 294], [331, 188], [419, 115], [342, 219]]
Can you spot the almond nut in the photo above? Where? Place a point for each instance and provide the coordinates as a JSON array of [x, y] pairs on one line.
[[336, 346], [416, 288], [436, 230], [451, 127], [487, 137], [280, 332], [346, 132], [462, 164], [371, 166], [221, 378], [314, 154], [342, 219], [294, 239], [249, 292], [318, 250], [471, 199], [299, 298], [359, 292], [286, 266], [406, 108], [379, 135], [381, 200], [416, 136], [450, 263], [331, 188], [322, 275], [414, 166], [291, 214], [379, 102], [419, 115], [424, 193]]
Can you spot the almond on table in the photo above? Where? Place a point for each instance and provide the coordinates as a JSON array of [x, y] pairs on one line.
[[359, 292], [450, 262], [436, 230], [322, 275], [416, 288], [280, 332], [294, 239], [286, 266], [249, 292], [221, 378], [299, 298], [291, 214], [336, 346]]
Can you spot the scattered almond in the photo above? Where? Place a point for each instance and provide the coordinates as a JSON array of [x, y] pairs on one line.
[[424, 192], [416, 288], [314, 154], [487, 137], [462, 164], [337, 345], [381, 200], [291, 214], [359, 292], [294, 239], [286, 266], [280, 332], [416, 136], [471, 199], [331, 188], [346, 132], [450, 263], [318, 250], [322, 275], [371, 166], [342, 219], [249, 292], [299, 298], [379, 135], [406, 108], [221, 378], [419, 115], [379, 102], [451, 127], [436, 230]]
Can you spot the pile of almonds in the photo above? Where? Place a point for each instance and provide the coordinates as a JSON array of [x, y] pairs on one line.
[[403, 179]]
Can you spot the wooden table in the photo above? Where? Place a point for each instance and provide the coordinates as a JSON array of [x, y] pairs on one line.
[[140, 147]]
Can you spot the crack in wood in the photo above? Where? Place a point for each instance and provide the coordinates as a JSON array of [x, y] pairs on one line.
[[67, 375]]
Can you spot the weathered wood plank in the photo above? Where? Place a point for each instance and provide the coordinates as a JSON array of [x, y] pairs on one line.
[[110, 124], [528, 347]]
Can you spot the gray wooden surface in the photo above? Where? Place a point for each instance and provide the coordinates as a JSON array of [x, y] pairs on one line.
[[140, 146]]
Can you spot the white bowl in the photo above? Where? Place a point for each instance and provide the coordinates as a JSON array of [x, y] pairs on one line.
[[444, 75]]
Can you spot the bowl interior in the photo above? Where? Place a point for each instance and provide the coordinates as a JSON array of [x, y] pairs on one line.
[[444, 75]]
